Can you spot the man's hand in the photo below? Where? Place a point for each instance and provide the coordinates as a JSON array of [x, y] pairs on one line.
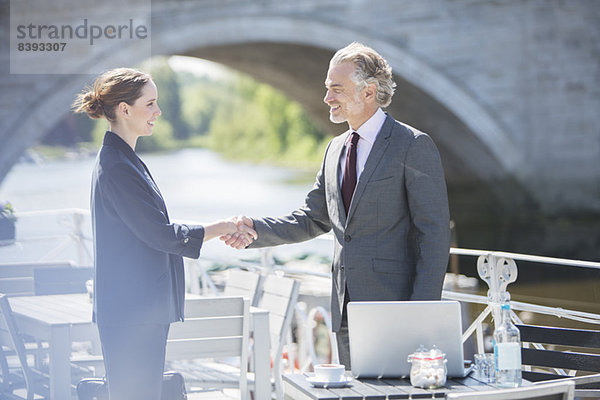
[[244, 235]]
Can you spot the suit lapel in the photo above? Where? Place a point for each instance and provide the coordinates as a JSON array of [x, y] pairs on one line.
[[375, 156], [150, 180]]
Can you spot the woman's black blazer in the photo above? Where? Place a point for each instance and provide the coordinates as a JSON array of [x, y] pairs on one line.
[[139, 276]]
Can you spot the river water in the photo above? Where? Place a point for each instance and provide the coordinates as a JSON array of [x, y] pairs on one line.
[[197, 184]]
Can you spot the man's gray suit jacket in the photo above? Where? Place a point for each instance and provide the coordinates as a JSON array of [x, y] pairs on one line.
[[394, 243]]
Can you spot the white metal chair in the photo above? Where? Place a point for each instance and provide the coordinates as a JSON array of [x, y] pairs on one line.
[[213, 327], [30, 378], [586, 386], [279, 297], [244, 283], [546, 391], [16, 279], [61, 280]]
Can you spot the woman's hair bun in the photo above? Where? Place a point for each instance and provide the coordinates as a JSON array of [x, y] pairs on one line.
[[89, 102]]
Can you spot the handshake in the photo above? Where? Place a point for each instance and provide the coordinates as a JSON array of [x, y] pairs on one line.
[[239, 232]]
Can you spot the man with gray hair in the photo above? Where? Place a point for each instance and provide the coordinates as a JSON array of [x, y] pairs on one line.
[[381, 189]]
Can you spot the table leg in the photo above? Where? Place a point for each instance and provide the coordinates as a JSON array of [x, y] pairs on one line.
[[262, 355], [60, 365]]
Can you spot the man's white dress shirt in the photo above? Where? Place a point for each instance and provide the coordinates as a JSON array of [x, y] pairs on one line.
[[368, 133]]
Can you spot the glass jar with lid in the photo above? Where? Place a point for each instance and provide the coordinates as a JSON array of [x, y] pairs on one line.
[[428, 369]]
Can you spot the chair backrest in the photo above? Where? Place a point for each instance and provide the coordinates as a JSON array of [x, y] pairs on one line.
[[279, 297], [5, 343], [213, 327], [244, 283], [11, 341], [17, 279], [544, 391], [568, 356], [4, 371], [61, 280], [22, 286]]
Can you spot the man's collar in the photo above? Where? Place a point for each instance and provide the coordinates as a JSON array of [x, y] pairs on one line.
[[369, 130]]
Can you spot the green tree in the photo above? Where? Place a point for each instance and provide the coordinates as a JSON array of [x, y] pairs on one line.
[[169, 96], [161, 139], [258, 123], [202, 99], [100, 128]]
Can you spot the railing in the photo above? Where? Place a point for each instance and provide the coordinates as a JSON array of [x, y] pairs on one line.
[[496, 269], [50, 235]]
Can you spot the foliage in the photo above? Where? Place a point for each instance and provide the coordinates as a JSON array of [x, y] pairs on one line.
[[100, 128], [257, 122], [161, 139], [169, 98], [7, 211], [202, 97], [234, 115]]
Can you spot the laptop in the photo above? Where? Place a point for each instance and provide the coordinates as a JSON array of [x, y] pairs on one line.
[[383, 334]]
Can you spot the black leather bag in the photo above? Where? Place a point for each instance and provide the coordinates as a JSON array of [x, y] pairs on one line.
[[173, 388]]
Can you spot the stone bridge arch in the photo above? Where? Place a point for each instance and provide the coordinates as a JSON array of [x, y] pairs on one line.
[[297, 48], [507, 89], [292, 53]]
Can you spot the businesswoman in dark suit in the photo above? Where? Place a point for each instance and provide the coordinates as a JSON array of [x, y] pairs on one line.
[[139, 279]]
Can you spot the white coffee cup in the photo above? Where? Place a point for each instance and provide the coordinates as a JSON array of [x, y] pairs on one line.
[[329, 372]]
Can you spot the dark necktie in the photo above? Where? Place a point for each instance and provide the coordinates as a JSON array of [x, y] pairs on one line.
[[349, 180]]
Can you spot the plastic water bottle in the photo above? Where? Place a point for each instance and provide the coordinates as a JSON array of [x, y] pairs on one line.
[[507, 350]]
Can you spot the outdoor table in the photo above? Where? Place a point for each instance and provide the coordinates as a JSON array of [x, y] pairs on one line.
[[59, 320], [298, 388], [63, 319]]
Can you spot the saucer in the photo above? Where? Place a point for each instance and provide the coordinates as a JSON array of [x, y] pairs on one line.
[[316, 382]]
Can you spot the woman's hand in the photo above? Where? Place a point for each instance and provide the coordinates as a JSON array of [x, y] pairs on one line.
[[239, 235]]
